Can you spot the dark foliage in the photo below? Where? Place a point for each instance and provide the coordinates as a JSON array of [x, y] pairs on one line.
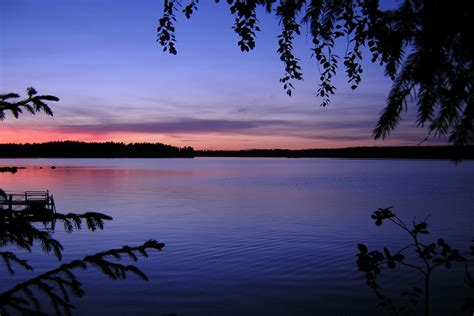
[[425, 47], [33, 103], [427, 257], [30, 226]]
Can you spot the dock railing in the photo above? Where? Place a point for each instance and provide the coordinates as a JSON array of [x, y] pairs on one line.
[[18, 200]]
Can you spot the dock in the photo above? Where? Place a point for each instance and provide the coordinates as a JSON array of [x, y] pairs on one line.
[[16, 201]]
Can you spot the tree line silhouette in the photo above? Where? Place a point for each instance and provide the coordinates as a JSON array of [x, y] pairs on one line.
[[401, 152], [73, 149]]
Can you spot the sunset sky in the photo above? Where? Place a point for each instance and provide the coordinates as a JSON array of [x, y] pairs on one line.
[[100, 57]]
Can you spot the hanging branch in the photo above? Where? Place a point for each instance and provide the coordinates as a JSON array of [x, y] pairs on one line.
[[431, 63]]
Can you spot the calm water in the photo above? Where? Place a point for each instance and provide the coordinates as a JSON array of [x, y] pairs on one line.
[[249, 236]]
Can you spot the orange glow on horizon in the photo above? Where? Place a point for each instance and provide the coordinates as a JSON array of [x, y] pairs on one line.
[[203, 141], [211, 141]]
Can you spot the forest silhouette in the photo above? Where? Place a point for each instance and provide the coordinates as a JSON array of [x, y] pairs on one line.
[[74, 149]]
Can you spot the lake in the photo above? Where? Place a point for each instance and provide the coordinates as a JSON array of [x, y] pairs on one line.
[[250, 236]]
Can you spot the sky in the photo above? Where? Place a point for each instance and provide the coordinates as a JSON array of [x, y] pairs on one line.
[[100, 57]]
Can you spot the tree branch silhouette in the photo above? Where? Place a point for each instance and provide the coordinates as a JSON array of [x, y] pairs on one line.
[[58, 284], [33, 103], [19, 228], [425, 47]]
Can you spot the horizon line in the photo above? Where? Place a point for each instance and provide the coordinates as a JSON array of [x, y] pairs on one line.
[[245, 149]]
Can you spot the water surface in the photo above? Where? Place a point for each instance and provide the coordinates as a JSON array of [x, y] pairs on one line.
[[249, 236]]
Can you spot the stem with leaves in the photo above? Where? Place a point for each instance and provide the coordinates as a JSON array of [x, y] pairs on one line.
[[430, 257]]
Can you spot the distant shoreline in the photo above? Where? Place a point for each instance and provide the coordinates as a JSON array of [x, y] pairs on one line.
[[70, 149], [399, 152]]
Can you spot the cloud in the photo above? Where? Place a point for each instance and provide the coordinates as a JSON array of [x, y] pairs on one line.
[[349, 130], [352, 130], [179, 126]]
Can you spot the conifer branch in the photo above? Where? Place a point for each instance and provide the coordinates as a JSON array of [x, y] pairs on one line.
[[33, 103], [59, 284]]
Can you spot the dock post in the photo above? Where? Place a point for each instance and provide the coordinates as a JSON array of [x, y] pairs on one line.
[[10, 202], [53, 206]]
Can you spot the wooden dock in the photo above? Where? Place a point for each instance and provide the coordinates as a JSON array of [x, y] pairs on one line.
[[16, 201]]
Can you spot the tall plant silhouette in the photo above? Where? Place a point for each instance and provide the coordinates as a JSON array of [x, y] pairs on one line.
[[34, 224], [425, 259]]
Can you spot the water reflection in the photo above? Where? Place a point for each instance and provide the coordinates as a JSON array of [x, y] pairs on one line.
[[275, 236], [27, 222]]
